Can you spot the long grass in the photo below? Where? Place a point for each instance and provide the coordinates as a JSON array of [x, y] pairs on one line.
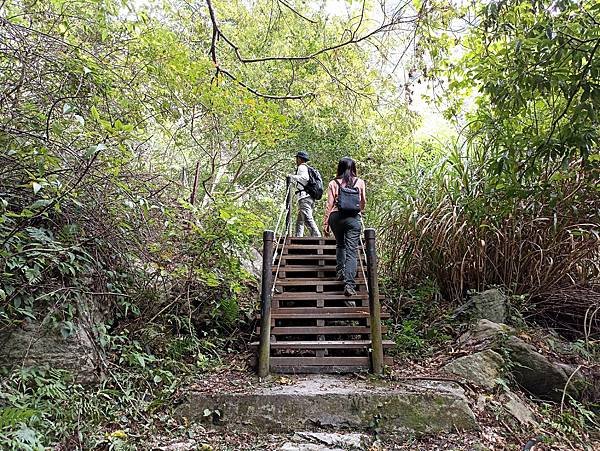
[[452, 225]]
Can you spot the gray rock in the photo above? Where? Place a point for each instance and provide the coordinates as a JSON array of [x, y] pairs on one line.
[[35, 344], [289, 446], [485, 331], [252, 262], [332, 439], [538, 375], [518, 409], [491, 305], [481, 368], [532, 370], [179, 445]]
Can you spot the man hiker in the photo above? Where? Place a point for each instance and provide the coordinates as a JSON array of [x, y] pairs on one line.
[[306, 203]]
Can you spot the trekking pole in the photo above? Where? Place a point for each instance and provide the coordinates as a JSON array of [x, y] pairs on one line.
[[288, 205]]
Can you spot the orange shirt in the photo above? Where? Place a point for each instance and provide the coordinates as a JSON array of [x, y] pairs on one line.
[[332, 193]]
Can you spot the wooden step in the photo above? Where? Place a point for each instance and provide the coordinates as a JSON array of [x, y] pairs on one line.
[[325, 281], [325, 344], [323, 316], [319, 310], [310, 260], [328, 257], [320, 330], [310, 246], [309, 239], [326, 295], [307, 267], [311, 269], [330, 313]]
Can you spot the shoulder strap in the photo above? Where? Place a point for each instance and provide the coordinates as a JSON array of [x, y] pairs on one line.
[[350, 185], [299, 183]]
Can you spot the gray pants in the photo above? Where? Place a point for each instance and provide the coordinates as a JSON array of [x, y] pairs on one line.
[[347, 235], [305, 215]]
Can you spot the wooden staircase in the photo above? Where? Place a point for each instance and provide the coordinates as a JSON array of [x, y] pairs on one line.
[[314, 328]]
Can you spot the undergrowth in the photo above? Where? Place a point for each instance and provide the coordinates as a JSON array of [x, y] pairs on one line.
[[46, 407], [419, 322]]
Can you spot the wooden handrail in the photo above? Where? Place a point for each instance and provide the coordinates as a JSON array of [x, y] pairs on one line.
[[374, 304], [265, 299]]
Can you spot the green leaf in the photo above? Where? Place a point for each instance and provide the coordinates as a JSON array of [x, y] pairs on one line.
[[36, 187], [40, 203], [27, 435], [94, 113], [141, 360]]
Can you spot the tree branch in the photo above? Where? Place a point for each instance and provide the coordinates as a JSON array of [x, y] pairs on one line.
[[351, 40], [216, 34], [265, 95], [281, 2]]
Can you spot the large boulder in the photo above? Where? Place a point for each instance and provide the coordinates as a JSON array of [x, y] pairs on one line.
[[531, 369], [35, 343], [482, 368], [539, 375], [490, 305], [485, 332]]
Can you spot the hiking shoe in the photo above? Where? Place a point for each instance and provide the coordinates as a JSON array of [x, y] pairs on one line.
[[340, 276], [350, 303], [349, 290]]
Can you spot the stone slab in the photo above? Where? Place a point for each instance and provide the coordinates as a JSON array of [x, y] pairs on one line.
[[481, 368], [490, 305], [335, 402]]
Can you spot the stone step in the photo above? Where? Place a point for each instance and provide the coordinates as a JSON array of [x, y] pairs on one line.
[[336, 403]]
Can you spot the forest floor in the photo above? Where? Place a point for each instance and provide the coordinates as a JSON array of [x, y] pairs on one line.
[[497, 430]]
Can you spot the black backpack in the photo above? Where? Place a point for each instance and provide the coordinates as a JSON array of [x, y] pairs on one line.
[[348, 199], [314, 186]]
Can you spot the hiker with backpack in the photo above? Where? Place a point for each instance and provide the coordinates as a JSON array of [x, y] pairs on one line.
[[309, 188], [346, 199]]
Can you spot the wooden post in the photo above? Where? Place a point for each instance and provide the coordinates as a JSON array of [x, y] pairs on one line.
[[374, 305], [264, 349], [288, 205]]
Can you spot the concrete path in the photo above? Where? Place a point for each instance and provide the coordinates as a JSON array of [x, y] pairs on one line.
[[334, 403]]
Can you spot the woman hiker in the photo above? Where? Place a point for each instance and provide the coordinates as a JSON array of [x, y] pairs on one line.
[[346, 199]]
